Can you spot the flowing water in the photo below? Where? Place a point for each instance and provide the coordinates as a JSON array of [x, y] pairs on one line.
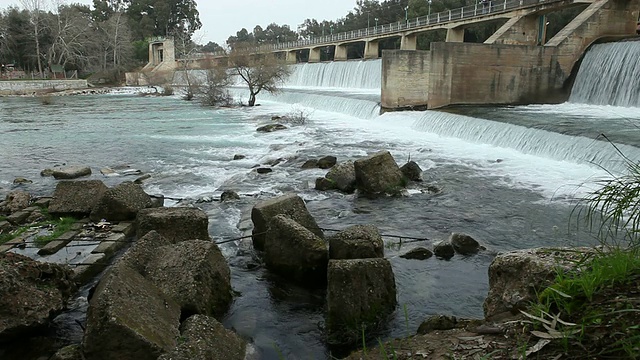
[[509, 176]]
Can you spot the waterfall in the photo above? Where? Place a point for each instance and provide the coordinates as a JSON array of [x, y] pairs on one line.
[[338, 74], [609, 75], [356, 74], [531, 141]]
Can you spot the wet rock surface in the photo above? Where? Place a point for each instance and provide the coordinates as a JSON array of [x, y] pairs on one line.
[[176, 224], [360, 292], [357, 242], [31, 293], [378, 174], [129, 318], [71, 172], [290, 205], [418, 253], [76, 198], [204, 338], [121, 203], [294, 252]]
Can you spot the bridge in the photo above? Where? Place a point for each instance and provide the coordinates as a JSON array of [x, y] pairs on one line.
[[453, 21], [515, 65]]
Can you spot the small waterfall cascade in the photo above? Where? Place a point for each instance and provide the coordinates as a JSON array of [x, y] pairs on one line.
[[363, 74], [531, 141], [609, 75]]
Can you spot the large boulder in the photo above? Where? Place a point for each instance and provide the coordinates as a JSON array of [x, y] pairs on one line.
[[294, 252], [379, 174], [195, 274], [16, 201], [327, 162], [121, 203], [444, 250], [70, 172], [204, 338], [129, 318], [324, 184], [357, 242], [464, 244], [418, 253], [176, 224], [144, 250], [516, 277], [271, 128], [360, 292], [31, 294], [291, 205], [412, 171], [310, 164], [343, 176], [76, 198]]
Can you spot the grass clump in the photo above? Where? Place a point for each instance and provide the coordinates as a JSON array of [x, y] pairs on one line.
[[60, 226], [12, 234], [593, 311]]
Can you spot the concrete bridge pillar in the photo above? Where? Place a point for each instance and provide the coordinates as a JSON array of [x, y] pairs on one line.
[[521, 30], [409, 42], [340, 53], [371, 49], [314, 55], [455, 34], [291, 57]]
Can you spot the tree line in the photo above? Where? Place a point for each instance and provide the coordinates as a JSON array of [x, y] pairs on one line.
[[369, 13], [111, 35]]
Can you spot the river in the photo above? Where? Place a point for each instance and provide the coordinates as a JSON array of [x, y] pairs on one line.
[[509, 176]]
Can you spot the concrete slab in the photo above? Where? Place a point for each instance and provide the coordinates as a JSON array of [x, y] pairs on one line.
[[77, 226], [68, 236], [52, 247], [110, 245], [90, 267], [42, 202], [127, 228], [4, 225], [19, 217]]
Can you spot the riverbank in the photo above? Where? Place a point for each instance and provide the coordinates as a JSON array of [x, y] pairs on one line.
[[25, 87], [513, 328]]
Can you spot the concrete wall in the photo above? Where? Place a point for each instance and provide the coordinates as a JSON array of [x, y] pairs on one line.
[[464, 73], [499, 73], [30, 86], [405, 78]]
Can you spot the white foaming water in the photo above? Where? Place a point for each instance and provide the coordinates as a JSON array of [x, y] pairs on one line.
[[608, 75], [526, 140], [402, 133], [588, 112], [337, 74]]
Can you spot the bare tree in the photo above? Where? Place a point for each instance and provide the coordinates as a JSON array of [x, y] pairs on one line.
[[258, 71], [214, 90], [70, 35], [35, 7]]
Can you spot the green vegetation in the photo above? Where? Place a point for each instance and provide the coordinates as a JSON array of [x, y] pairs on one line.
[[60, 226], [594, 310], [12, 235]]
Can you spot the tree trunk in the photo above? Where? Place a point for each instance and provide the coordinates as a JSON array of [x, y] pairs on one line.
[[252, 99], [35, 30]]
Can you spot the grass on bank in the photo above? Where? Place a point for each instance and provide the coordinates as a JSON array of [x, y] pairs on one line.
[[59, 226], [594, 310]]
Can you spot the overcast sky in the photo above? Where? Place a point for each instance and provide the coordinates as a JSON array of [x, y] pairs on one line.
[[222, 18]]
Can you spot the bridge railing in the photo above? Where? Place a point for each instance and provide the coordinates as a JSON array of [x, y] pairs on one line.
[[440, 18], [477, 10]]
